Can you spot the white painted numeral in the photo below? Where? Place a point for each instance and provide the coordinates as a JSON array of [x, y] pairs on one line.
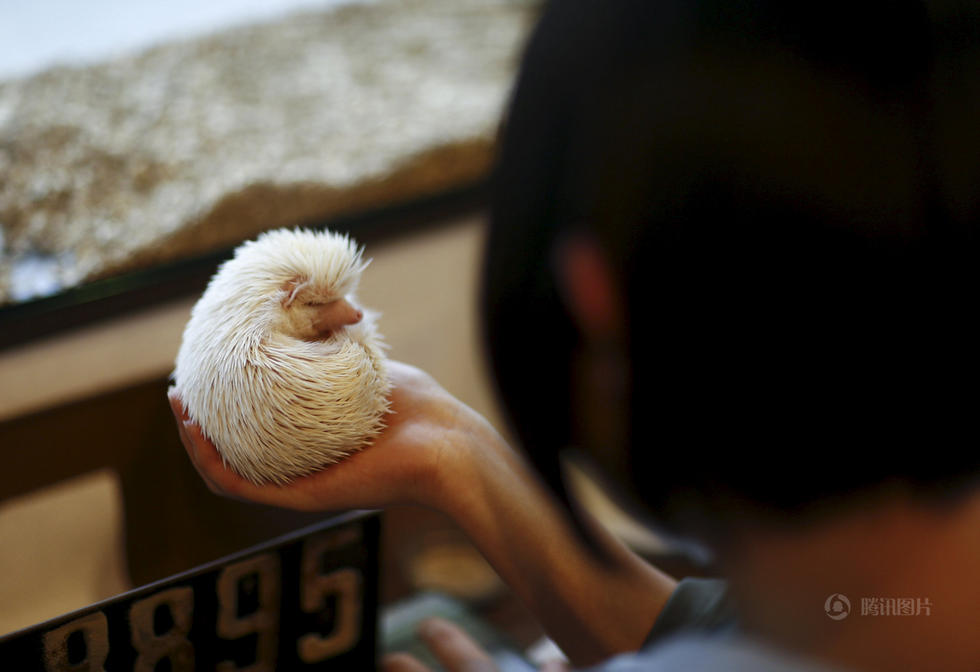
[[316, 589], [264, 621], [150, 647], [94, 632]]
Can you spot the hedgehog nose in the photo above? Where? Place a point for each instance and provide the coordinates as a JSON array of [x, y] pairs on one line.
[[336, 315]]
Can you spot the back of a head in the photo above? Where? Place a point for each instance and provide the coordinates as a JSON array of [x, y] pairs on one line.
[[790, 195]]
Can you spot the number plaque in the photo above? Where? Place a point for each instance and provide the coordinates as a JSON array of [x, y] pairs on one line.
[[305, 601]]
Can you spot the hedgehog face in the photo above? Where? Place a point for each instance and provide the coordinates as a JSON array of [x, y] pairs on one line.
[[312, 312]]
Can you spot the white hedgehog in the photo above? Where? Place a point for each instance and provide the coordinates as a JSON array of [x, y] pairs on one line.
[[278, 366]]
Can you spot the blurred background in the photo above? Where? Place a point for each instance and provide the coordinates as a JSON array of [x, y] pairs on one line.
[[38, 35], [139, 143]]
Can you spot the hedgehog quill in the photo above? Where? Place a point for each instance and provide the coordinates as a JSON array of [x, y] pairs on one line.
[[280, 367]]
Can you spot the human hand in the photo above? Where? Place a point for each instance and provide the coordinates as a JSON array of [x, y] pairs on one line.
[[454, 649], [427, 430]]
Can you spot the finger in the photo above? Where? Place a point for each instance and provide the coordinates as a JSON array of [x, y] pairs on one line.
[[224, 481], [176, 405], [192, 438], [402, 662], [221, 480], [454, 648], [185, 440], [210, 465], [183, 419], [207, 460], [205, 452], [191, 447]]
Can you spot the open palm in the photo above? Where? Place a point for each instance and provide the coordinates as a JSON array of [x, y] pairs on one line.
[[424, 426]]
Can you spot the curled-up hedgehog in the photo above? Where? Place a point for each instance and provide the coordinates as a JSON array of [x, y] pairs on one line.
[[281, 369]]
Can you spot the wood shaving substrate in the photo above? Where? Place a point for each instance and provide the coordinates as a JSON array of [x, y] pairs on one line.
[[195, 145]]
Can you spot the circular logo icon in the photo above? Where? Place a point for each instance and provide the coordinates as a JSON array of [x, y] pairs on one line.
[[837, 606]]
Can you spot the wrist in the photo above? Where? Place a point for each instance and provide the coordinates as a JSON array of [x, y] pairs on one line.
[[469, 451]]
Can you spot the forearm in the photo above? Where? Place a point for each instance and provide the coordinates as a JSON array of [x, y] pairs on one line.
[[440, 453], [591, 608]]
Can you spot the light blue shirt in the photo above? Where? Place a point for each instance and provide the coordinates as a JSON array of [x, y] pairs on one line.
[[712, 653]]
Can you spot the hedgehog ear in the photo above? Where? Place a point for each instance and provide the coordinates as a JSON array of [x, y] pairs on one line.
[[291, 288]]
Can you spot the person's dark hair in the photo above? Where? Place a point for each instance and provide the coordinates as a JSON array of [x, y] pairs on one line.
[[789, 192]]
